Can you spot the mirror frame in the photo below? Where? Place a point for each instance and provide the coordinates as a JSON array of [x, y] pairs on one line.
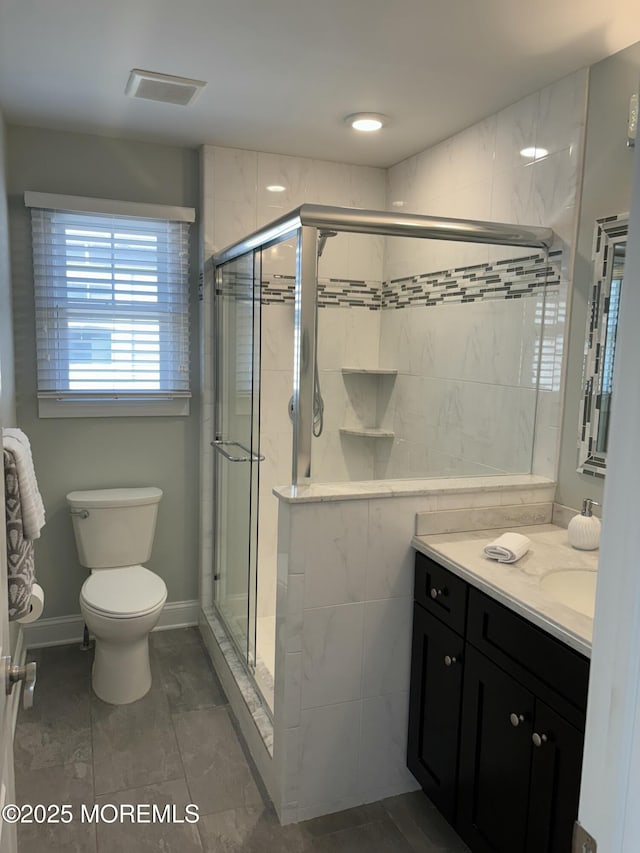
[[609, 231]]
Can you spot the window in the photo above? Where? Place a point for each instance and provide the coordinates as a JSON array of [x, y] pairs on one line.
[[112, 306]]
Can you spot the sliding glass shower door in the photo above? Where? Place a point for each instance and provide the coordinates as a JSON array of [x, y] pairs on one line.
[[237, 448]]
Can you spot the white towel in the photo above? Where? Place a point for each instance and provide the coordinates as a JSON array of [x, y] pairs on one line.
[[32, 507], [507, 548]]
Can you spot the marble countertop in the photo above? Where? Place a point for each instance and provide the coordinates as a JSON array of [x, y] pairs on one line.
[[517, 585]]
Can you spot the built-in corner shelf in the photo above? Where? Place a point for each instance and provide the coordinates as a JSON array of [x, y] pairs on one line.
[[367, 432], [375, 389], [371, 371]]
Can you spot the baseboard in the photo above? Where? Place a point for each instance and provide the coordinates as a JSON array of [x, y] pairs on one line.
[[178, 614], [62, 630]]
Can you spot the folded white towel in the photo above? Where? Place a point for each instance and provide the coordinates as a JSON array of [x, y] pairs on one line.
[[507, 548], [17, 443]]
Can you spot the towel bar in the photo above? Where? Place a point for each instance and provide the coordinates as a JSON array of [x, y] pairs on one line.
[[252, 457]]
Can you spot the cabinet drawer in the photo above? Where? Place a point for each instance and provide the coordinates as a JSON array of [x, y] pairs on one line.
[[548, 667], [441, 593]]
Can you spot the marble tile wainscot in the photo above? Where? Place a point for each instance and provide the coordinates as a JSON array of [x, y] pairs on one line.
[[344, 603]]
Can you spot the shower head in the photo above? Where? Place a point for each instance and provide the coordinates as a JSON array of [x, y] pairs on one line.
[[323, 236]]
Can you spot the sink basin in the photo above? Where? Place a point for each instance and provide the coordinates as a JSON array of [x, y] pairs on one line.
[[574, 587]]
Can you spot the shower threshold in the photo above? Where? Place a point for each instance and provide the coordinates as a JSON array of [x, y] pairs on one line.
[[256, 704]]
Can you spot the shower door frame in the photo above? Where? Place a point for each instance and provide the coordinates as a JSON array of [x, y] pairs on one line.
[[307, 220], [247, 654]]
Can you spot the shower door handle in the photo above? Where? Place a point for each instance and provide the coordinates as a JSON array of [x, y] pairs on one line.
[[220, 445]]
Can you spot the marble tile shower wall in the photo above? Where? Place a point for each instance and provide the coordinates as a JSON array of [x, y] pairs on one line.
[[480, 174], [447, 406], [236, 201], [471, 408], [346, 337]]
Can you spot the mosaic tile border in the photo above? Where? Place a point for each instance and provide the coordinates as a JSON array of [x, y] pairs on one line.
[[341, 292], [608, 231], [511, 278]]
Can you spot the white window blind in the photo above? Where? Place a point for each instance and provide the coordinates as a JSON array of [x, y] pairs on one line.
[[112, 306]]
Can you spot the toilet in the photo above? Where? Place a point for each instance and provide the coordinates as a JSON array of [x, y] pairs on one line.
[[121, 601]]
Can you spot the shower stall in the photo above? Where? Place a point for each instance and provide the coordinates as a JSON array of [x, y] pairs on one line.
[[354, 345]]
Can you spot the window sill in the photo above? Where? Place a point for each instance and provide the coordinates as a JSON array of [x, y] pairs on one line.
[[51, 408]]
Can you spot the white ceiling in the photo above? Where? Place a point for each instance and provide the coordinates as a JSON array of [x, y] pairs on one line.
[[282, 74]]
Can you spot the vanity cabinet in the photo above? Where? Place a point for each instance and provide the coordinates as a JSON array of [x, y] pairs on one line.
[[496, 720]]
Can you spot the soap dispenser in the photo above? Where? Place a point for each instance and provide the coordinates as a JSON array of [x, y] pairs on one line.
[[584, 529]]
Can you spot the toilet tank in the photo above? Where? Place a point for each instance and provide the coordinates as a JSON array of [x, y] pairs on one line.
[[114, 527]]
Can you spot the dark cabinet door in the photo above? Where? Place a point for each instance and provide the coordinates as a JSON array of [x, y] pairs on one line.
[[495, 758], [434, 709], [555, 782]]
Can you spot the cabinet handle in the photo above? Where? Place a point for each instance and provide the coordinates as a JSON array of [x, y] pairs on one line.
[[539, 740], [449, 660], [436, 593], [516, 719]]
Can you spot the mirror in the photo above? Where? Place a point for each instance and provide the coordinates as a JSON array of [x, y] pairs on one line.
[[609, 247]]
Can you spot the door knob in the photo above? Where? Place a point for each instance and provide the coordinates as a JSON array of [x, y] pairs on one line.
[[516, 719], [449, 660], [539, 740], [26, 674]]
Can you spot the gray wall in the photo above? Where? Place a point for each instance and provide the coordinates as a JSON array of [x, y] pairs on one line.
[[606, 191], [7, 385], [85, 453]]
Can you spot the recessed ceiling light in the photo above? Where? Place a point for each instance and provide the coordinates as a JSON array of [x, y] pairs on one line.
[[163, 87], [366, 122], [276, 188], [534, 153]]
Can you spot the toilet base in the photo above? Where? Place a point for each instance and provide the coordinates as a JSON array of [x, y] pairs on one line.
[[121, 672]]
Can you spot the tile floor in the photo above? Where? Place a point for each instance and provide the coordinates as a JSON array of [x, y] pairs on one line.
[[177, 745]]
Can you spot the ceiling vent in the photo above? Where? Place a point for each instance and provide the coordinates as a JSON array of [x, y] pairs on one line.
[[163, 87]]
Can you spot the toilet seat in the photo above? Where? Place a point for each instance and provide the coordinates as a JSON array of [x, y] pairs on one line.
[[123, 593]]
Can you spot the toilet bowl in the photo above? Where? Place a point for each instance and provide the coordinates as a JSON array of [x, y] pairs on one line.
[[121, 601], [120, 608]]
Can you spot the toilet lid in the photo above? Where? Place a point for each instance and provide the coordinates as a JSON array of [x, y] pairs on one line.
[[123, 593]]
